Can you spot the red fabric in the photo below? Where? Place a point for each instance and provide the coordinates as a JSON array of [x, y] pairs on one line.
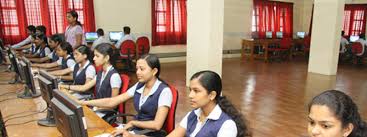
[[170, 120], [273, 16], [143, 43], [357, 48], [286, 43], [125, 84], [50, 13], [354, 22], [127, 47], [169, 22]]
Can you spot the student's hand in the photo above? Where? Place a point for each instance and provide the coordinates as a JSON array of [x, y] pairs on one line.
[[128, 134], [117, 132], [128, 125], [63, 87]]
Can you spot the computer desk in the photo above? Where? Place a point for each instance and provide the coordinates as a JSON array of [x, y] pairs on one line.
[[95, 125]]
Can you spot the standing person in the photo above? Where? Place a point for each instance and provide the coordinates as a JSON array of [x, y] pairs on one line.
[[74, 32]]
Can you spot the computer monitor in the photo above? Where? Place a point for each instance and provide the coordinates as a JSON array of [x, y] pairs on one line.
[[255, 35], [269, 34], [353, 38], [279, 35], [115, 35], [69, 116], [15, 65], [301, 34], [91, 36], [30, 89]]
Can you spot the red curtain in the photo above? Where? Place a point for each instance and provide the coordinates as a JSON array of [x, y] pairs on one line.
[[354, 22], [169, 22], [273, 16], [16, 15]]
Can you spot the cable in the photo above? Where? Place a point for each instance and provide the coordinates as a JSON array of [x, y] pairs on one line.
[[21, 123], [7, 93], [25, 115], [7, 99]]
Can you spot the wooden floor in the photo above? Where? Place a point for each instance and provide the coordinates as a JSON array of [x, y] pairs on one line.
[[272, 96]]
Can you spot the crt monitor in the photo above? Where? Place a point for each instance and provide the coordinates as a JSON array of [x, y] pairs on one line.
[[47, 84], [69, 116], [91, 36], [301, 34], [269, 35], [353, 38], [279, 35], [30, 90], [115, 35]]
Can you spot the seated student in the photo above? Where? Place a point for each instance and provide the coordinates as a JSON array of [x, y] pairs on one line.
[[362, 40], [41, 29], [101, 39], [343, 43], [43, 49], [152, 97], [64, 51], [334, 114], [30, 30], [54, 41], [107, 82], [214, 115], [126, 36]]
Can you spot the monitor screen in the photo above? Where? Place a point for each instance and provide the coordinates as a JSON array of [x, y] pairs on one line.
[[353, 38], [301, 34], [255, 35], [46, 89], [279, 35], [115, 35], [269, 35], [91, 36], [29, 76], [69, 116]]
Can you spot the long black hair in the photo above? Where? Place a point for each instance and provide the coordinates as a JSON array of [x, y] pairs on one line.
[[344, 109], [86, 51], [74, 14], [66, 47], [153, 62], [57, 38], [106, 50], [211, 81], [42, 37]]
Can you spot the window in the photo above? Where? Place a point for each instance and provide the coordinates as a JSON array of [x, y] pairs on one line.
[[77, 5], [56, 16], [33, 12], [354, 19], [9, 19]]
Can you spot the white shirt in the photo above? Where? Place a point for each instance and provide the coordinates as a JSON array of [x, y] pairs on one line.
[[125, 37], [165, 98], [90, 72], [343, 42], [24, 42], [70, 63], [99, 40], [228, 129], [115, 80], [47, 51], [364, 44], [51, 54]]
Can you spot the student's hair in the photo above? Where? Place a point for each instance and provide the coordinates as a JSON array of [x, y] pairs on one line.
[[126, 30], [343, 32], [74, 14], [362, 36], [42, 37], [31, 28], [211, 81], [41, 28], [106, 49], [86, 51], [57, 38], [66, 47], [343, 108], [100, 32]]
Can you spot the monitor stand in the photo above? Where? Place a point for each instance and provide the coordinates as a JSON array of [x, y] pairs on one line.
[[27, 94], [16, 80], [49, 121]]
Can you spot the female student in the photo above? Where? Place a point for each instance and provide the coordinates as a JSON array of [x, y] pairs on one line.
[[108, 81], [334, 114], [74, 32], [43, 49], [214, 115], [152, 97], [64, 51], [54, 41]]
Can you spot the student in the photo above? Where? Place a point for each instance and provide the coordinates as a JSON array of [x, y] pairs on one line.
[[30, 30], [41, 29], [214, 115], [64, 51], [362, 40], [343, 43], [334, 114], [152, 97], [54, 41], [101, 39], [107, 82], [126, 36], [74, 32], [42, 47]]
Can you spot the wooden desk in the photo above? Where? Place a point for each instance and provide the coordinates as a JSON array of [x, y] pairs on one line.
[[95, 125], [249, 45]]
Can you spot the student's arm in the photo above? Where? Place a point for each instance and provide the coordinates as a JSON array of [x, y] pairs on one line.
[[46, 65], [39, 60], [107, 102], [67, 77], [61, 72], [155, 124], [177, 132], [79, 88], [24, 47]]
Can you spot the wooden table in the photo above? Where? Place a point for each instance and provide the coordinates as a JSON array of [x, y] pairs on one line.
[[249, 45]]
